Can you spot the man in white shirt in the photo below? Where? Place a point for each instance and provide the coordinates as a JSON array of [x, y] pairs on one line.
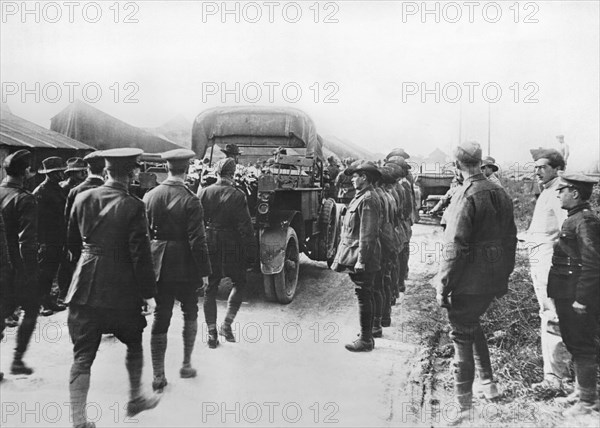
[[543, 232]]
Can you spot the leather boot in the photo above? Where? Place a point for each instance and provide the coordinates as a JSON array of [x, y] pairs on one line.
[[377, 330], [226, 331], [361, 345], [158, 348], [18, 367], [79, 386], [585, 371], [213, 338], [190, 329], [481, 355]]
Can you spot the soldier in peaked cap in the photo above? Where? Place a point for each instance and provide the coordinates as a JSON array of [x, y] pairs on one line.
[[181, 263], [231, 246], [359, 251], [75, 173], [52, 230], [543, 232], [19, 212], [489, 169], [574, 284], [480, 242], [114, 279], [94, 178]]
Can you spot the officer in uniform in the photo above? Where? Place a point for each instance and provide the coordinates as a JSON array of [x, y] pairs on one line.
[[113, 280], [574, 284], [19, 212], [181, 263], [51, 230], [231, 246], [479, 255], [75, 174], [359, 251]]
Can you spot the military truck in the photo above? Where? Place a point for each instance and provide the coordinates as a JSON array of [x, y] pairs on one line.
[[290, 214]]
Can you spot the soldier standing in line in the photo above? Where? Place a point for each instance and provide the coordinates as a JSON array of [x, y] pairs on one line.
[[75, 174], [542, 234], [343, 184], [359, 251], [231, 246], [113, 280], [6, 287], [19, 212], [479, 255], [51, 230], [574, 284], [181, 262]]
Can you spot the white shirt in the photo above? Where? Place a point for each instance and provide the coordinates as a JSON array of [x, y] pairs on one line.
[[548, 216]]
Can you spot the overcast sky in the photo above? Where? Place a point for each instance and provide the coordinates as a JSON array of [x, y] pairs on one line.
[[374, 61]]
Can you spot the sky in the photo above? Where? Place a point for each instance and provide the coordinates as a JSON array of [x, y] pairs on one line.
[[381, 74]]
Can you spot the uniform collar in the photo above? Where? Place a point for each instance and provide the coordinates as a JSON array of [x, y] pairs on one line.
[[224, 181], [174, 181], [13, 182], [476, 177], [580, 207], [116, 185], [364, 190]]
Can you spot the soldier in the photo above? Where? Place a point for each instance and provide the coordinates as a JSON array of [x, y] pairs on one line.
[[231, 246], [359, 251], [574, 284], [94, 178], [51, 230], [489, 169], [479, 256], [75, 174], [343, 184], [232, 151], [19, 212], [542, 234], [6, 291], [180, 258], [113, 280]]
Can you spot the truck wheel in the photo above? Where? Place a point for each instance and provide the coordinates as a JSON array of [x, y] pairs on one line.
[[328, 224], [286, 281], [269, 286]]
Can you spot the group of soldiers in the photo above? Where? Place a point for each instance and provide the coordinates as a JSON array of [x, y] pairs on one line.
[[123, 258], [126, 258]]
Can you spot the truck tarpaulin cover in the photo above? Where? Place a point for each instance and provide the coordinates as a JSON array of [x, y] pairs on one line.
[[266, 126], [102, 131]]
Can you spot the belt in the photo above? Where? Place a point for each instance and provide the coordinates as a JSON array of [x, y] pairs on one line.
[[92, 249], [566, 261]]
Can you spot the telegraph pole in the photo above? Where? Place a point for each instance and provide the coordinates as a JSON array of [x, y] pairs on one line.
[[489, 129]]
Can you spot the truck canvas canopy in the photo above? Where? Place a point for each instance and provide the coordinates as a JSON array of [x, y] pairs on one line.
[[256, 127]]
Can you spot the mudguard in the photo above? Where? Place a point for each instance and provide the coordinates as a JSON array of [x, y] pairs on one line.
[[272, 240]]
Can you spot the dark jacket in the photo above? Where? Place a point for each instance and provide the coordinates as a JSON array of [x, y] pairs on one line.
[[89, 183], [228, 227], [109, 227], [575, 271], [178, 240], [359, 241], [19, 212], [480, 240], [5, 264], [51, 222]]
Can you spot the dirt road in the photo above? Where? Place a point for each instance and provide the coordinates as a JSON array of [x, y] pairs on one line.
[[289, 367]]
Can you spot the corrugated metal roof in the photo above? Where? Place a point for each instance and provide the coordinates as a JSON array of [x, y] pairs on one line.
[[18, 132]]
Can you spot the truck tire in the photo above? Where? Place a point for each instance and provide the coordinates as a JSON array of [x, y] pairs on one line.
[[328, 225], [286, 281], [269, 287]]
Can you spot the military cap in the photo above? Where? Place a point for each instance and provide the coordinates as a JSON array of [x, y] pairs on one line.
[[397, 170], [468, 152], [225, 167], [542, 153], [401, 162], [75, 164], [398, 152], [575, 179], [231, 149], [125, 158], [178, 154], [388, 175], [51, 164], [19, 159], [489, 161], [363, 166], [93, 156]]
